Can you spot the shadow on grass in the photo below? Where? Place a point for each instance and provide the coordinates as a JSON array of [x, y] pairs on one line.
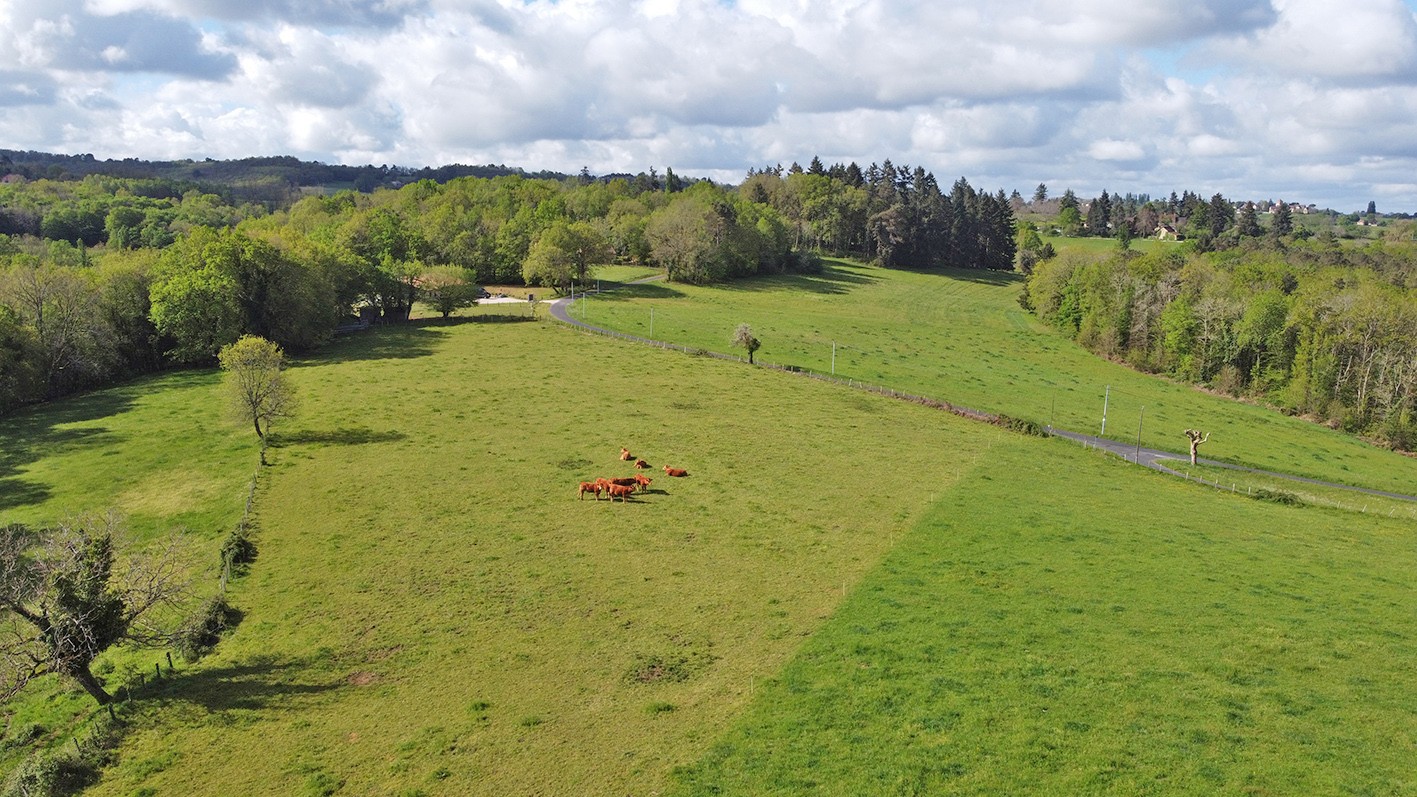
[[338, 437], [257, 684], [647, 290], [391, 342], [831, 280], [18, 492]]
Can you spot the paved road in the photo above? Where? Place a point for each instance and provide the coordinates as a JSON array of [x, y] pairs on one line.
[[1146, 457]]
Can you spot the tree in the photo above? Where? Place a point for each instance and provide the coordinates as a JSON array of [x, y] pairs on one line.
[[258, 389], [1196, 439], [1249, 223], [1040, 194], [447, 288], [743, 338], [70, 598], [1283, 223]]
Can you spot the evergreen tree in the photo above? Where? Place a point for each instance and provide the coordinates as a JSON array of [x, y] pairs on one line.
[[1283, 223], [1040, 194], [1249, 224]]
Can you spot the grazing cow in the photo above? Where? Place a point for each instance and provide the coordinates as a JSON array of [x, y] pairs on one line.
[[675, 471], [643, 481], [641, 464], [621, 490], [624, 481], [626, 455], [590, 487]]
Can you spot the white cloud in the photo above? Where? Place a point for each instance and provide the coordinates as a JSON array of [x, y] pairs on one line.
[[1272, 94]]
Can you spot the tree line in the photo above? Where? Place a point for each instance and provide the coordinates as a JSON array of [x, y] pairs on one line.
[[1314, 327], [103, 278]]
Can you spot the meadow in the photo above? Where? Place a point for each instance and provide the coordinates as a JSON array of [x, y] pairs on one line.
[[849, 595], [961, 337]]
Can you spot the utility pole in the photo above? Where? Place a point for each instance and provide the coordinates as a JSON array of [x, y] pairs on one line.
[[1140, 419]]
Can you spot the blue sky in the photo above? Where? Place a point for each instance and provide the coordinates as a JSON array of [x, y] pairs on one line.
[[1302, 100]]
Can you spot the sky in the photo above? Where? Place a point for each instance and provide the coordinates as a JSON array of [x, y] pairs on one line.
[[1309, 101]]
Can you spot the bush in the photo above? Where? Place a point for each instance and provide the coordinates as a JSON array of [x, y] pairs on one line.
[[1021, 425], [238, 549], [203, 631]]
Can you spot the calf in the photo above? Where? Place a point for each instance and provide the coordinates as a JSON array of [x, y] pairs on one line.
[[626, 455], [622, 491], [643, 481], [641, 464], [675, 471], [589, 487]]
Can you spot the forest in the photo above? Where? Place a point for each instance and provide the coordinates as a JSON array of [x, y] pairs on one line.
[[105, 277], [1320, 327]]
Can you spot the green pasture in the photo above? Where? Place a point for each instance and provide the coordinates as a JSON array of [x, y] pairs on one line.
[[962, 337], [849, 594], [433, 609], [1104, 630], [156, 451]]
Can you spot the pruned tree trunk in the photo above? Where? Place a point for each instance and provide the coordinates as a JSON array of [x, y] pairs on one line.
[[1196, 440]]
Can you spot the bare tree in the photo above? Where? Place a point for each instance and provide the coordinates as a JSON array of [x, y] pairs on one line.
[[743, 338], [65, 597], [1196, 439]]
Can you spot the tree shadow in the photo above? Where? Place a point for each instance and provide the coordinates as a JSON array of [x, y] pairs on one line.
[[340, 437], [831, 280], [645, 290], [18, 492], [257, 684], [389, 342], [45, 430]]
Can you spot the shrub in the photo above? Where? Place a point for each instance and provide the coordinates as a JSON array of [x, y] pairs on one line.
[[238, 549], [1021, 425], [200, 634]]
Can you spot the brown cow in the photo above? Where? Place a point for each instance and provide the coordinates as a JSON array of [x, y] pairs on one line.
[[641, 464], [643, 481], [675, 471], [623, 481], [589, 487], [621, 490], [626, 455]]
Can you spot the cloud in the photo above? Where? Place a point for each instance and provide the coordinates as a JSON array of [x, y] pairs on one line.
[[26, 88], [61, 35], [1269, 96], [334, 13]]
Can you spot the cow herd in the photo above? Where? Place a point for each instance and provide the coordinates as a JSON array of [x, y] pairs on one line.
[[623, 487]]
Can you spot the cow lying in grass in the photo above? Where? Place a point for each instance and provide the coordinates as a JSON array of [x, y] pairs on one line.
[[675, 471], [641, 464], [625, 455]]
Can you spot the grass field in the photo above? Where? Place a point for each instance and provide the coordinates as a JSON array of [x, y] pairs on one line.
[[434, 609], [962, 337], [849, 595], [1116, 632]]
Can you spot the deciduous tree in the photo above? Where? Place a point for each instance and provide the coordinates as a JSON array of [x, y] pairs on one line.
[[256, 384], [743, 339], [70, 597]]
